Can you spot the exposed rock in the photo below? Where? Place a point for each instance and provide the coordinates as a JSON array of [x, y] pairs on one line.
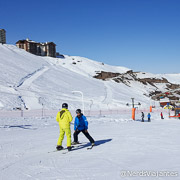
[[106, 75], [130, 76], [153, 80], [177, 92], [173, 86], [155, 93], [173, 98]]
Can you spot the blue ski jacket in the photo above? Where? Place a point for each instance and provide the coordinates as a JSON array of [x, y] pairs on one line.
[[81, 123], [149, 115]]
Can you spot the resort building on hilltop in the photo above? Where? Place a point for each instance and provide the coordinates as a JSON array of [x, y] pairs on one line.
[[2, 36], [40, 49]]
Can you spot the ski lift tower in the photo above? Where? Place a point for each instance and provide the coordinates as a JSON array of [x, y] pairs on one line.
[[133, 107]]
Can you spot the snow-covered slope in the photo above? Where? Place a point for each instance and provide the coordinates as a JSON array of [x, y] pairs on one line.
[[28, 81]]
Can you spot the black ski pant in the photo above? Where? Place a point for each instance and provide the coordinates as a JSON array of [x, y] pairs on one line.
[[142, 119], [149, 119], [85, 133]]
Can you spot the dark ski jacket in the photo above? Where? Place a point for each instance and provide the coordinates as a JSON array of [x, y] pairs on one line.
[[142, 115]]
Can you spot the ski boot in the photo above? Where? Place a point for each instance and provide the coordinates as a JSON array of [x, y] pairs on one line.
[[59, 148], [69, 148], [74, 143]]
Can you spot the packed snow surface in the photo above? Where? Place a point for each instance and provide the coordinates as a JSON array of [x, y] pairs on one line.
[[27, 149]]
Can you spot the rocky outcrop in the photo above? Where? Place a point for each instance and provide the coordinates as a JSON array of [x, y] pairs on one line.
[[173, 86], [154, 93], [174, 98], [130, 76], [106, 75], [177, 92], [153, 80]]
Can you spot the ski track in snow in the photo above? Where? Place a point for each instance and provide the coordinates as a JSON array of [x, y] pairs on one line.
[[27, 80], [29, 98], [108, 94]]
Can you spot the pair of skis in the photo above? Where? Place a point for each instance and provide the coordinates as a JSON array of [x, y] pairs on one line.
[[73, 148]]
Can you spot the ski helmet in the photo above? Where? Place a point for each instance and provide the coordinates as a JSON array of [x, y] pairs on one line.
[[65, 105], [78, 111]]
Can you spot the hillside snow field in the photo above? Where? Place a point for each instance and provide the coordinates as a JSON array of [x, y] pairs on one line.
[[28, 81]]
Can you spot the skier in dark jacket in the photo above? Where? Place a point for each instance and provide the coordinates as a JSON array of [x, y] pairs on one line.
[[81, 125], [142, 115]]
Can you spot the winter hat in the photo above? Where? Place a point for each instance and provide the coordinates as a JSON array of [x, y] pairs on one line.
[[78, 111], [65, 105]]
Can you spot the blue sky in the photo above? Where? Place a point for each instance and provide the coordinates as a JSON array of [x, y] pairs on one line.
[[143, 35]]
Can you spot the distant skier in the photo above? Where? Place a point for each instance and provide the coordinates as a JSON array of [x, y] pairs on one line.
[[149, 117], [142, 115], [64, 118], [162, 116], [81, 125]]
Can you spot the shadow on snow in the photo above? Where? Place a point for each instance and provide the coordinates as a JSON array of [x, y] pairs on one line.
[[140, 120], [18, 126], [98, 142]]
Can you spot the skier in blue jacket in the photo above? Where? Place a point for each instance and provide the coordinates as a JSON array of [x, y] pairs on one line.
[[81, 125], [149, 117]]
